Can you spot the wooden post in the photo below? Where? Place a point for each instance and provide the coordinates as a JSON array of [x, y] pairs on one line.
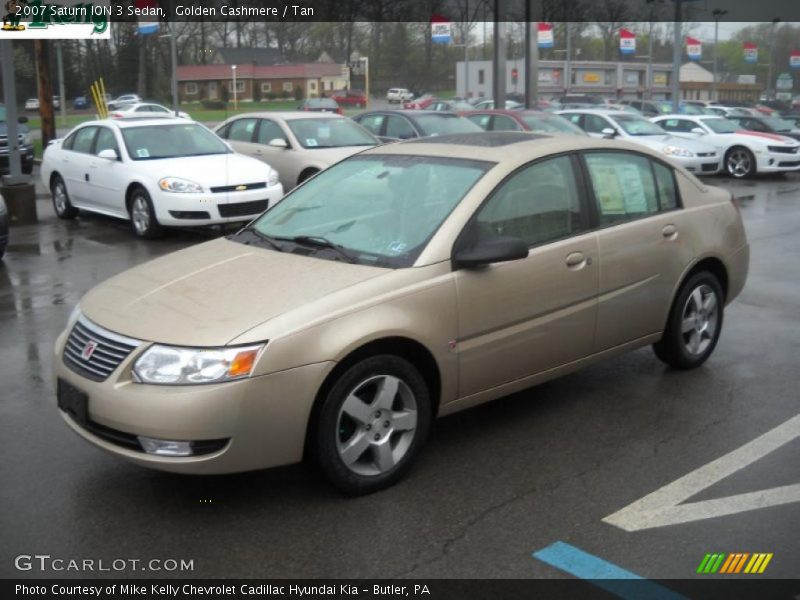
[[41, 50]]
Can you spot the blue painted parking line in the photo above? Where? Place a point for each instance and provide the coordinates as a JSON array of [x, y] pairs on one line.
[[603, 574]]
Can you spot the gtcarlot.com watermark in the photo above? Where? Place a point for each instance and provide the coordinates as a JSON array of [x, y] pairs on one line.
[[47, 563]]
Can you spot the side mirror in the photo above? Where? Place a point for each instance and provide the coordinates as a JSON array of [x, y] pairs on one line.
[[608, 132], [491, 250], [278, 143], [698, 130], [22, 119], [108, 154]]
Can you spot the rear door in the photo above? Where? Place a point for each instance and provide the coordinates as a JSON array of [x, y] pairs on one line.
[[526, 316], [74, 164], [643, 252]]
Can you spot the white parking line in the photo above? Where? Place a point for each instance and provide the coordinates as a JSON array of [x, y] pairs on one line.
[[663, 507]]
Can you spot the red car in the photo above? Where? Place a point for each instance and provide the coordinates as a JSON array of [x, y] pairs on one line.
[[320, 105], [355, 98], [521, 120], [420, 103]]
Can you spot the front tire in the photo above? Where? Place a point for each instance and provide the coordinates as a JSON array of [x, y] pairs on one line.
[[372, 424], [143, 216], [61, 203], [694, 323], [740, 162]]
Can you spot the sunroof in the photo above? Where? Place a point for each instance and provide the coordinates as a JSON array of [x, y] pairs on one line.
[[487, 139]]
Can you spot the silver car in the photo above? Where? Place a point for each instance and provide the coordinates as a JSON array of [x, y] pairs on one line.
[[692, 155]]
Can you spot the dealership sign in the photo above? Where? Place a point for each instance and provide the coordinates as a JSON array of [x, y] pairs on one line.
[[750, 52], [627, 41], [440, 30], [545, 36], [794, 59], [68, 19], [694, 49]]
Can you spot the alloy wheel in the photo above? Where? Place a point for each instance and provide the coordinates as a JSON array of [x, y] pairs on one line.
[[60, 198], [140, 213], [739, 163], [700, 319]]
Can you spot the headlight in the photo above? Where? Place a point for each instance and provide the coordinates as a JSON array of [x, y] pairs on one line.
[[170, 365], [73, 316], [2, 207], [26, 139], [180, 186], [678, 151], [273, 178]]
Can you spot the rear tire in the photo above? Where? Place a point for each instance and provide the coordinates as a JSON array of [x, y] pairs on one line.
[[143, 216], [694, 324], [372, 424], [60, 196]]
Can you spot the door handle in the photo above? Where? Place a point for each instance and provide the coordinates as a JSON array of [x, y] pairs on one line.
[[86, 177], [577, 260], [669, 231]]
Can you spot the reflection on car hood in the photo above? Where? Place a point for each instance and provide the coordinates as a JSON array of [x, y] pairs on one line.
[[209, 294], [211, 170], [329, 156]]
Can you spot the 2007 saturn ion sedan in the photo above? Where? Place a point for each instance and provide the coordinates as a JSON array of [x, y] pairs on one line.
[[407, 282]]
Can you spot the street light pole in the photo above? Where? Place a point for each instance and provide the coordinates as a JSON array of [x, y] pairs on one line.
[[717, 13], [775, 22], [676, 58], [235, 104], [173, 47]]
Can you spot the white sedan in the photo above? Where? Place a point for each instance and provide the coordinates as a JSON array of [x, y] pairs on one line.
[[745, 152], [156, 172], [145, 109]]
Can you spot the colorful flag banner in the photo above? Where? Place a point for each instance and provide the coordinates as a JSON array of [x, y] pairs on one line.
[[750, 52], [146, 25], [441, 30], [794, 59], [545, 35], [694, 48], [627, 41]]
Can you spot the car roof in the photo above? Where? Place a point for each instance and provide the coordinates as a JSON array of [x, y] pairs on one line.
[[494, 146], [138, 122], [288, 115], [603, 112]]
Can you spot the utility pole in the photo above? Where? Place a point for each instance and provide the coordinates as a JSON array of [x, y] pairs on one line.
[[41, 49], [466, 52], [499, 60], [775, 22], [62, 94], [173, 47], [717, 13], [677, 44], [568, 66]]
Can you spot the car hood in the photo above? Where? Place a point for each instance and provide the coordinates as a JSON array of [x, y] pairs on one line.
[[211, 170], [21, 128], [658, 142], [768, 138], [209, 294]]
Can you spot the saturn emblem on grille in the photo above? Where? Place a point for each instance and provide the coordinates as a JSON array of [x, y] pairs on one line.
[[88, 350], [241, 188]]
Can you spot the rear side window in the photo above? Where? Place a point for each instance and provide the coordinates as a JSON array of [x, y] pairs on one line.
[[504, 123], [242, 130], [398, 127], [665, 181], [623, 184], [481, 121]]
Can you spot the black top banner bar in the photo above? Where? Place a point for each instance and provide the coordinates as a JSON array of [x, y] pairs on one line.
[[622, 11]]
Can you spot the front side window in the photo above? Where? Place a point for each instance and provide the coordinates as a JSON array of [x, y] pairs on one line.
[[539, 204], [551, 124], [623, 186], [721, 125], [595, 124], [83, 138], [399, 128], [372, 123], [382, 209], [268, 131], [105, 141], [152, 142]]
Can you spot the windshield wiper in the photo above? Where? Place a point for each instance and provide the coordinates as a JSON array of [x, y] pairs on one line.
[[320, 242], [253, 237]]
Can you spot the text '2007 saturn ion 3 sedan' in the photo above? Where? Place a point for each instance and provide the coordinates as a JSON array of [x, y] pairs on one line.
[[407, 282], [156, 172]]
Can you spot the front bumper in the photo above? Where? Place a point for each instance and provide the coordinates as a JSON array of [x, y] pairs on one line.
[[777, 162], [262, 420], [214, 208], [26, 157], [699, 165]]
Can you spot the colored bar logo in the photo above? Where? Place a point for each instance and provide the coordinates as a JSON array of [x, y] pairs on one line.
[[737, 562]]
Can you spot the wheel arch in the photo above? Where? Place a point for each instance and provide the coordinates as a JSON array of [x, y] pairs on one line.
[[129, 192], [411, 350], [713, 265], [307, 172]]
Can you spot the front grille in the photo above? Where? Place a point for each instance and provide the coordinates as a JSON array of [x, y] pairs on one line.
[[243, 209], [189, 214], [242, 187], [710, 167], [783, 149], [4, 139], [109, 350]]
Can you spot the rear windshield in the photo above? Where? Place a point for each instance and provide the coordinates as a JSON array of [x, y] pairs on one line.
[[330, 133]]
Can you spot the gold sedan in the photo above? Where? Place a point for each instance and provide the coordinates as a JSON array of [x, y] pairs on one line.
[[407, 282]]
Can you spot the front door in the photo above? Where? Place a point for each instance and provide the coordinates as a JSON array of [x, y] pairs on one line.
[[526, 316], [106, 180]]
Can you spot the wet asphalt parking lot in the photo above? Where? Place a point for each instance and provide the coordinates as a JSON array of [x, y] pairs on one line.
[[494, 484]]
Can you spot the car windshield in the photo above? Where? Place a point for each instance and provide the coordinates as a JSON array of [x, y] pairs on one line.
[[151, 142], [721, 125], [551, 124], [330, 133], [691, 109], [635, 125], [379, 209], [445, 124], [777, 124]]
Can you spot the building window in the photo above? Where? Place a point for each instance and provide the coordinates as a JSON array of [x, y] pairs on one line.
[[239, 86], [287, 86], [266, 87], [212, 90], [312, 85], [480, 76], [191, 88]]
